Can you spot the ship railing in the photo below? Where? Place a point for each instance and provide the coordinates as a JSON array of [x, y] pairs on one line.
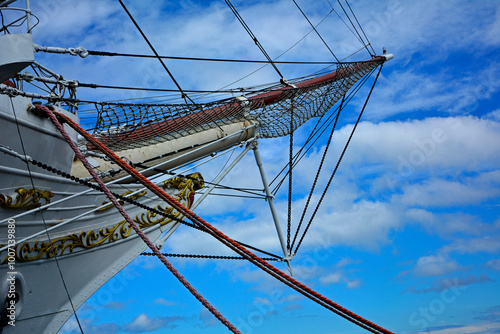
[[16, 21], [20, 25]]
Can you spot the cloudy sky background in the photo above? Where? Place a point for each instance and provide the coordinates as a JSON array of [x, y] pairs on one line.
[[409, 233]]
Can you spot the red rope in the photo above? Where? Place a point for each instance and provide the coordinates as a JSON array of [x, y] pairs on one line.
[[275, 272], [129, 220]]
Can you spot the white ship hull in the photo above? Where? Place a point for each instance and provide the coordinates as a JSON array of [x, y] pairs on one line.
[[68, 250]]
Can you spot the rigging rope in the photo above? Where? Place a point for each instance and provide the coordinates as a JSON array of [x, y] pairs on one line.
[[359, 35], [184, 96], [317, 174], [254, 38], [318, 132], [314, 28], [264, 265], [212, 257], [290, 179], [129, 220], [341, 19], [338, 162], [217, 185], [124, 126], [361, 28], [238, 90], [276, 62], [117, 54]]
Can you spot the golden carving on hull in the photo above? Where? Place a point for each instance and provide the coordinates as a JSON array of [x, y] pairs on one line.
[[133, 197], [26, 199], [27, 251], [187, 186], [149, 218]]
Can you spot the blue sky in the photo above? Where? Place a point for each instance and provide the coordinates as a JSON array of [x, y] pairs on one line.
[[409, 233]]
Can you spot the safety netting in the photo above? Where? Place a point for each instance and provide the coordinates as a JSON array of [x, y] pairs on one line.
[[278, 110]]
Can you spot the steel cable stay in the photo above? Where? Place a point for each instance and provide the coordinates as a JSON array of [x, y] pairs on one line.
[[347, 26], [210, 257], [184, 96], [255, 192], [317, 132], [254, 38], [223, 60], [273, 271], [316, 31], [314, 133], [241, 90], [303, 152], [330, 119], [314, 136], [338, 163], [333, 117], [280, 55], [290, 179], [198, 93], [317, 175], [355, 29], [361, 28]]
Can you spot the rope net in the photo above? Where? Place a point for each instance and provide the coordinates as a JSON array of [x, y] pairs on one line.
[[126, 126]]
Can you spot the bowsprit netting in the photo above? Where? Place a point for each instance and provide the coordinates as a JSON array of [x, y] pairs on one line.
[[127, 126]]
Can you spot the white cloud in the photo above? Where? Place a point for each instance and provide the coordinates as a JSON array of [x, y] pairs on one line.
[[366, 225], [493, 115], [456, 284], [346, 262], [434, 265], [491, 36], [488, 244], [433, 144], [439, 193], [481, 328], [448, 225], [207, 319], [494, 264], [339, 277], [416, 25], [331, 278], [145, 323], [73, 327], [163, 301]]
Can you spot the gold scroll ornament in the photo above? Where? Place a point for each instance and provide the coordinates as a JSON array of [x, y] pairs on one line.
[[86, 240], [26, 199]]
